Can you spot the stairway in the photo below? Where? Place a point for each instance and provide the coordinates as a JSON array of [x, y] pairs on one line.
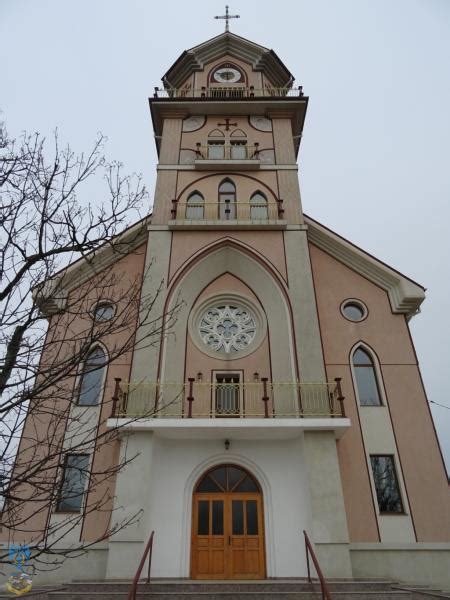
[[225, 590]]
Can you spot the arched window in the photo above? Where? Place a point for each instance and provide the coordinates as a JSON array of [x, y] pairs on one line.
[[238, 144], [216, 144], [227, 200], [228, 479], [366, 378], [195, 206], [258, 206], [92, 376]]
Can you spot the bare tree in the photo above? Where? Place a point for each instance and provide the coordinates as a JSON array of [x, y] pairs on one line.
[[62, 254]]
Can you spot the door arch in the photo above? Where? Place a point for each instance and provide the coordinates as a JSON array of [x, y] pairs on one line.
[[227, 540]]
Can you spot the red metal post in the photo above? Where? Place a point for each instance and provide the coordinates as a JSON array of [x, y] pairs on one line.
[[115, 398], [190, 397], [265, 397], [340, 396]]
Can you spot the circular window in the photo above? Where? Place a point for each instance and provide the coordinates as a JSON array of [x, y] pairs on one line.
[[104, 311], [354, 310], [230, 326], [227, 328]]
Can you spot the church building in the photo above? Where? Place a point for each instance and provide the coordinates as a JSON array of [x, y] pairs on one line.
[[286, 395]]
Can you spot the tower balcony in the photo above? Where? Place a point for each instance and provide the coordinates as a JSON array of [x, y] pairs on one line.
[[222, 157], [228, 92], [227, 215], [248, 409]]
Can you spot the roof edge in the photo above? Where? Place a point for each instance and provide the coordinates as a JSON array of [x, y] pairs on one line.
[[405, 294]]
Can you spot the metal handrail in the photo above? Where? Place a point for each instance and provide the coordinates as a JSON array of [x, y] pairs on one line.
[[323, 583], [228, 92], [249, 399], [228, 211], [211, 151], [147, 552]]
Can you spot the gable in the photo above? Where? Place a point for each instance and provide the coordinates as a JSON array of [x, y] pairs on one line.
[[405, 295], [233, 46]]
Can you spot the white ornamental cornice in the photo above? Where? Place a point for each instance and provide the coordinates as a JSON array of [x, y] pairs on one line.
[[405, 295], [195, 59], [51, 296]]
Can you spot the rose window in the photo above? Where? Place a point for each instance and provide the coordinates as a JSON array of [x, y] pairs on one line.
[[227, 328]]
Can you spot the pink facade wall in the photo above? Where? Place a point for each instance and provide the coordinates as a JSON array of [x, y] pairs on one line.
[[388, 335]]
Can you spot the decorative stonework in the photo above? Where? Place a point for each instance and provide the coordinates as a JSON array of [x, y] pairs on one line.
[[227, 328], [261, 123], [227, 325], [193, 123]]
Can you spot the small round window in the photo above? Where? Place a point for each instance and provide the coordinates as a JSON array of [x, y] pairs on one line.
[[104, 311], [354, 310]]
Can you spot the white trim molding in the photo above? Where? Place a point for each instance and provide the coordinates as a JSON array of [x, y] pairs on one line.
[[405, 295]]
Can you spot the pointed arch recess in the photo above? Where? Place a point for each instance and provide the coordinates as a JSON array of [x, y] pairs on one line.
[[229, 175], [263, 281], [216, 133], [238, 133]]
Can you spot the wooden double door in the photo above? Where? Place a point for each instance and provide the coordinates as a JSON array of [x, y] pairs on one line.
[[227, 535]]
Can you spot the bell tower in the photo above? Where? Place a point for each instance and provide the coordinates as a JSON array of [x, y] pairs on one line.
[[228, 243]]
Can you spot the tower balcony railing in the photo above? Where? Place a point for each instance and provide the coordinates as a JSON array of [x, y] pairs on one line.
[[208, 400], [227, 210], [217, 151], [228, 92]]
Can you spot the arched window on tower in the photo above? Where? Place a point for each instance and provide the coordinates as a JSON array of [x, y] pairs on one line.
[[216, 144], [227, 200], [195, 206], [92, 378], [258, 206], [366, 379], [238, 144]]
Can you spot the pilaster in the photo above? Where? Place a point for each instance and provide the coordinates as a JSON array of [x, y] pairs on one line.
[[329, 523], [131, 505]]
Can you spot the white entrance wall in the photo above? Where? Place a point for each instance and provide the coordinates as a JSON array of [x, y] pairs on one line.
[[279, 467]]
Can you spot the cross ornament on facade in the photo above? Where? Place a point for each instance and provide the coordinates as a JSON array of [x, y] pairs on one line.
[[227, 17], [227, 124]]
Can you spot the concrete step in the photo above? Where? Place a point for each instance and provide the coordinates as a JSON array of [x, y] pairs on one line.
[[177, 595], [300, 585]]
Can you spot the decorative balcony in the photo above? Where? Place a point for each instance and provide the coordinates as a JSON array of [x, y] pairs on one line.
[[221, 157], [235, 92], [227, 215], [244, 400]]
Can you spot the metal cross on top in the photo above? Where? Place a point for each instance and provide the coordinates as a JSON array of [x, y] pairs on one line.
[[227, 17]]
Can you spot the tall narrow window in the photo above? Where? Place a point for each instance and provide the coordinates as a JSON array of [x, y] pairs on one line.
[[73, 483], [195, 206], [238, 150], [386, 484], [258, 206], [227, 200], [366, 378], [216, 150], [216, 145], [91, 383], [238, 144]]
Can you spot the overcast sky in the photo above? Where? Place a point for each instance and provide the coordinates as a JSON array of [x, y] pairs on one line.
[[374, 159]]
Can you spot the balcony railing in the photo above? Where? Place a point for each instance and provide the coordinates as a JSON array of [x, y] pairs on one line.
[[200, 400], [228, 92], [227, 152], [228, 211]]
